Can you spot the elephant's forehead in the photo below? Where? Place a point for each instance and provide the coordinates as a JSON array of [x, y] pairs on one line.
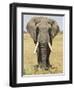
[[45, 19], [44, 26], [39, 19]]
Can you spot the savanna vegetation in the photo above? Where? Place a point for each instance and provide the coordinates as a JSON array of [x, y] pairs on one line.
[[30, 59]]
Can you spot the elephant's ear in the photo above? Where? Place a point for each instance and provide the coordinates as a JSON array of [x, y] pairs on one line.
[[55, 29], [31, 28]]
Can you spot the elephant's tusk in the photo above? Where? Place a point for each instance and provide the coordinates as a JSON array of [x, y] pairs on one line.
[[36, 47], [50, 46]]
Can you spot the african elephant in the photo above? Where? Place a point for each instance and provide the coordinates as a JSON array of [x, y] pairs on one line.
[[42, 31]]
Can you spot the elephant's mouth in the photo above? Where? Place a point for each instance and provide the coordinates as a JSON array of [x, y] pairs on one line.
[[42, 45]]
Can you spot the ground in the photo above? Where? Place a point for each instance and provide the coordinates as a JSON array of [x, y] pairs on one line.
[[30, 59]]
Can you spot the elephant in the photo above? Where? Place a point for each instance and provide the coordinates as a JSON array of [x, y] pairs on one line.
[[43, 30]]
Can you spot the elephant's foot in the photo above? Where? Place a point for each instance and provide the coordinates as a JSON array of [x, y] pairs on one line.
[[46, 67], [36, 67], [43, 67], [50, 66], [53, 70]]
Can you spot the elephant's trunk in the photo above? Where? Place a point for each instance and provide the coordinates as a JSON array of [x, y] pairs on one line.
[[44, 55]]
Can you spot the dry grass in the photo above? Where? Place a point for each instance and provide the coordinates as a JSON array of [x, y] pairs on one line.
[[30, 59]]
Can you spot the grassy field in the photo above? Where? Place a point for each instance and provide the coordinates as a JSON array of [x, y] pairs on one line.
[[30, 59]]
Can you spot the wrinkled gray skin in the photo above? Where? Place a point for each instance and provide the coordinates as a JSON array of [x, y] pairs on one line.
[[43, 30]]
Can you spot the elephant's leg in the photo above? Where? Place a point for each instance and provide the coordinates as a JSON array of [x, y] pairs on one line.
[[48, 55], [48, 60], [39, 56]]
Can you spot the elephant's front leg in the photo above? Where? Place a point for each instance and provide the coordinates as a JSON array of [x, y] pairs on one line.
[[48, 64], [39, 57]]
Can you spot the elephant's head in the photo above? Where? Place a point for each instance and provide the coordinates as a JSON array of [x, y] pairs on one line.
[[42, 31]]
